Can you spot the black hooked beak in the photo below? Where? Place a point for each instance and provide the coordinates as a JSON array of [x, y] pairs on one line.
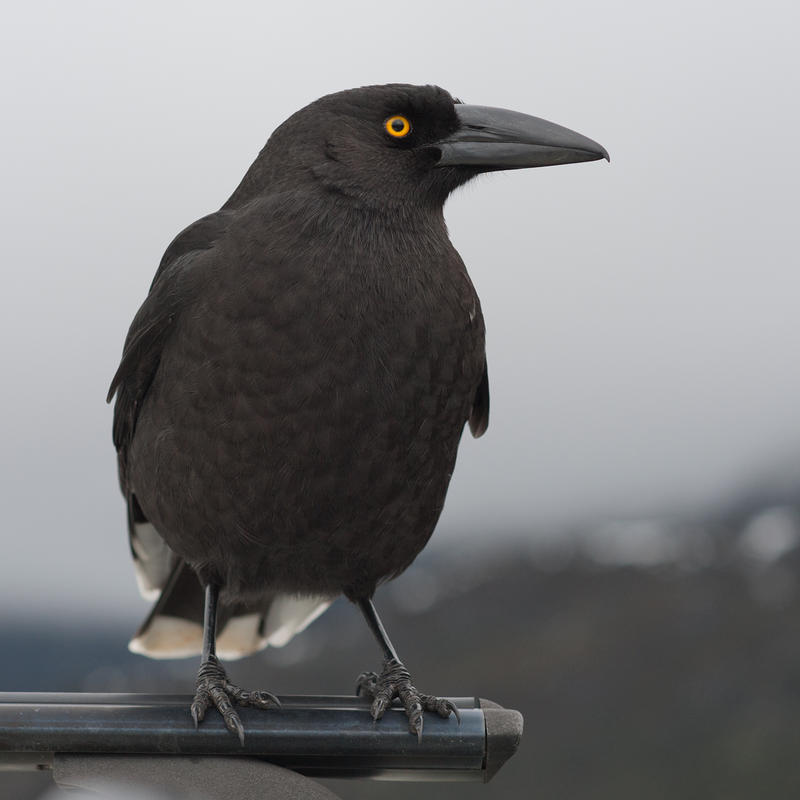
[[494, 139]]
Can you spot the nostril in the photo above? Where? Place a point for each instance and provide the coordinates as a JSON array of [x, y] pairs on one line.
[[434, 150]]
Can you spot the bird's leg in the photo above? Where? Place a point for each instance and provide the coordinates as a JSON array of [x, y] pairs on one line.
[[213, 687], [395, 682]]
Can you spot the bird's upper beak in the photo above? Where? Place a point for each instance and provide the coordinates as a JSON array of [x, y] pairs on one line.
[[495, 138]]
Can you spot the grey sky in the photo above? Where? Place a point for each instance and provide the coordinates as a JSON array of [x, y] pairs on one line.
[[642, 316]]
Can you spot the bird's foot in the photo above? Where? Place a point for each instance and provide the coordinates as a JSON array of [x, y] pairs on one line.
[[395, 682], [214, 689]]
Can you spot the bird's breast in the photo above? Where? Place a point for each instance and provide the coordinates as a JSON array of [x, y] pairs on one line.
[[329, 327], [322, 397]]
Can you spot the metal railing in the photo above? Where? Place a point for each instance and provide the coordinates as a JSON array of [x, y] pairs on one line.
[[316, 736]]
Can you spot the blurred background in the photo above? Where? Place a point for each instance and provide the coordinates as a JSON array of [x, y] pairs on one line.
[[618, 557]]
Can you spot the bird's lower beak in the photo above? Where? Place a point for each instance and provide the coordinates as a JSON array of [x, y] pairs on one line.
[[495, 139]]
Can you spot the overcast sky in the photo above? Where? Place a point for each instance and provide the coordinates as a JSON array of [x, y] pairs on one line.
[[642, 316]]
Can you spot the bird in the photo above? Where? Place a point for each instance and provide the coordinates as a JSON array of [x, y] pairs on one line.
[[293, 389]]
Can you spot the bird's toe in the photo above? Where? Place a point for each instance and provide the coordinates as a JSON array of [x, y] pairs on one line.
[[394, 683], [441, 706], [256, 699], [234, 724], [366, 683], [199, 706], [415, 723], [214, 689], [379, 705]]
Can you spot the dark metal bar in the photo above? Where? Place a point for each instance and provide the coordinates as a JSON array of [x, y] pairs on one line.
[[321, 736]]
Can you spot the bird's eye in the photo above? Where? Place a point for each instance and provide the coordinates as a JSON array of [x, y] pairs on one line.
[[397, 126]]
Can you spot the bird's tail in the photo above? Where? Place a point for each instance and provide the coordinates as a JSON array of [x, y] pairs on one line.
[[174, 627]]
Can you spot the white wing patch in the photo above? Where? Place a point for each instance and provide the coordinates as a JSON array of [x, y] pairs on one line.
[[153, 562]]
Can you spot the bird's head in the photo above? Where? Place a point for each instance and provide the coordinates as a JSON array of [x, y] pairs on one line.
[[395, 145]]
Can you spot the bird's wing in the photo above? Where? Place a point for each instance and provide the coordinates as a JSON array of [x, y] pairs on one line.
[[150, 330], [153, 560], [479, 416], [154, 321], [201, 235]]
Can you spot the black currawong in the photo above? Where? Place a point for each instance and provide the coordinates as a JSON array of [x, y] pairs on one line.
[[293, 389]]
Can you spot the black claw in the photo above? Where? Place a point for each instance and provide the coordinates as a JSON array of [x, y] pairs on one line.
[[234, 725], [271, 699], [415, 726], [198, 709], [378, 708]]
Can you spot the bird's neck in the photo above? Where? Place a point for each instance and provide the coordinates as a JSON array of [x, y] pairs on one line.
[[361, 194]]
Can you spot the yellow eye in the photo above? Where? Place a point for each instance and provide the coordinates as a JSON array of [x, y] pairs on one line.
[[397, 126]]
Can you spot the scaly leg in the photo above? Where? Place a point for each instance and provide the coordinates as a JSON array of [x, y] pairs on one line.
[[395, 681], [213, 687]]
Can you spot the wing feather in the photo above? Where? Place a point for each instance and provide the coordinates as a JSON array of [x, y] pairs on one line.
[[151, 328], [479, 417]]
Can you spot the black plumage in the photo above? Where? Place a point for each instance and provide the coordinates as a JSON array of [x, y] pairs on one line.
[[293, 389]]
